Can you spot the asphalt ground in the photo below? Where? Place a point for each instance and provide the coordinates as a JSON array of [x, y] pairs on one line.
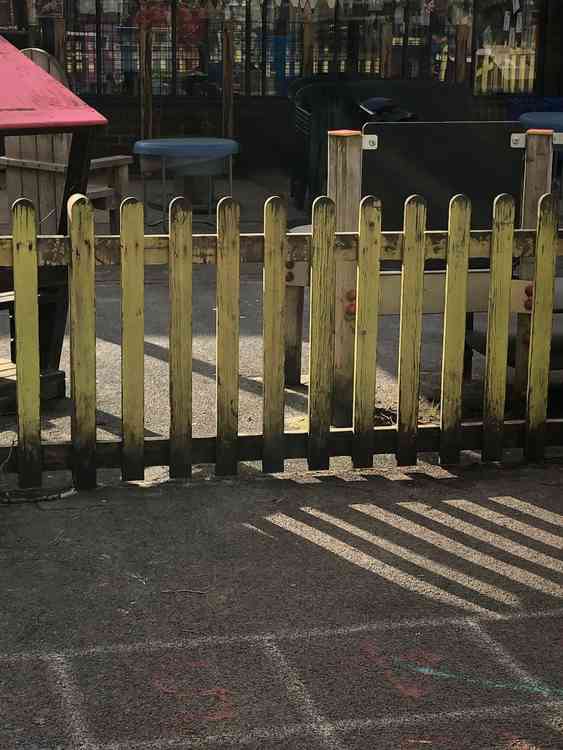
[[389, 610]]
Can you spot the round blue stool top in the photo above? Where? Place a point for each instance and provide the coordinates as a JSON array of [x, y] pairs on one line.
[[543, 121], [198, 149]]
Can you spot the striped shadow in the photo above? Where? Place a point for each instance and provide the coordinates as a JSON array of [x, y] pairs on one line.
[[556, 519], [495, 540], [544, 537], [373, 565], [421, 561], [461, 550]]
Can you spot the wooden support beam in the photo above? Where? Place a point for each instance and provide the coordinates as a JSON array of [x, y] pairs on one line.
[[538, 168], [345, 189]]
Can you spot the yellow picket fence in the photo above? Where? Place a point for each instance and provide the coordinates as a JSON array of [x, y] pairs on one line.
[[322, 249]]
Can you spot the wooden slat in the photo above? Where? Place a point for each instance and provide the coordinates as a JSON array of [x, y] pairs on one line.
[[365, 352], [83, 341], [228, 325], [180, 340], [454, 328], [410, 329], [133, 338], [497, 328], [27, 337], [321, 332], [275, 230], [541, 329]]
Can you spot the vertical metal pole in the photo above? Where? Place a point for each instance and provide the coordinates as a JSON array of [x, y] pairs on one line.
[[99, 57], [163, 192], [248, 48], [174, 32], [264, 51]]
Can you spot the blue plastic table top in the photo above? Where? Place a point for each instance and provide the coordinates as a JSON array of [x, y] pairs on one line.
[[543, 121], [198, 149]]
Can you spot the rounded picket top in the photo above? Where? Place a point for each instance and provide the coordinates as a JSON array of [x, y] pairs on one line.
[[323, 205], [275, 205], [548, 206], [460, 201], [23, 212], [504, 209], [370, 201], [77, 202], [179, 207]]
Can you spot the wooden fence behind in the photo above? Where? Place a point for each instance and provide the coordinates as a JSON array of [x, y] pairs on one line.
[[81, 251]]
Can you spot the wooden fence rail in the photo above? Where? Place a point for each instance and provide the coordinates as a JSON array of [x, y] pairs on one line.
[[81, 251]]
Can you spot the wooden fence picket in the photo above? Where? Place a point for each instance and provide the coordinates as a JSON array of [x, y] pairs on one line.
[[497, 327], [82, 341], [133, 338], [365, 352], [275, 230], [180, 339], [24, 244], [321, 332], [410, 336], [542, 325], [228, 328], [454, 328]]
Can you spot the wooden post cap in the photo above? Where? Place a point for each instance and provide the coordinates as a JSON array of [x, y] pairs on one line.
[[344, 133], [540, 131]]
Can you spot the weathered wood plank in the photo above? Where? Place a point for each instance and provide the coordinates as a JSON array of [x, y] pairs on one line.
[[344, 186], [497, 328], [275, 230], [24, 225], [55, 250], [321, 332], [83, 341], [541, 328], [538, 167], [132, 338], [410, 336], [180, 339], [365, 353], [228, 325], [454, 328]]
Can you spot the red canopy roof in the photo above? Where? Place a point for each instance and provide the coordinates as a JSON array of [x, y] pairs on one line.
[[32, 101]]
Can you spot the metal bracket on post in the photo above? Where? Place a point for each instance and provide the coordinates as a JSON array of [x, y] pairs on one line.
[[345, 188], [538, 168]]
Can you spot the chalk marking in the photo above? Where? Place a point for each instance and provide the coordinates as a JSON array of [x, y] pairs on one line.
[[460, 550], [499, 519], [342, 726], [257, 530], [556, 519], [300, 697], [483, 638], [495, 540], [373, 564], [379, 626], [63, 680], [524, 686], [420, 560]]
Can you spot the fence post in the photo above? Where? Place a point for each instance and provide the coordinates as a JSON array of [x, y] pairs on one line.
[[345, 189], [228, 90], [537, 181], [24, 245]]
